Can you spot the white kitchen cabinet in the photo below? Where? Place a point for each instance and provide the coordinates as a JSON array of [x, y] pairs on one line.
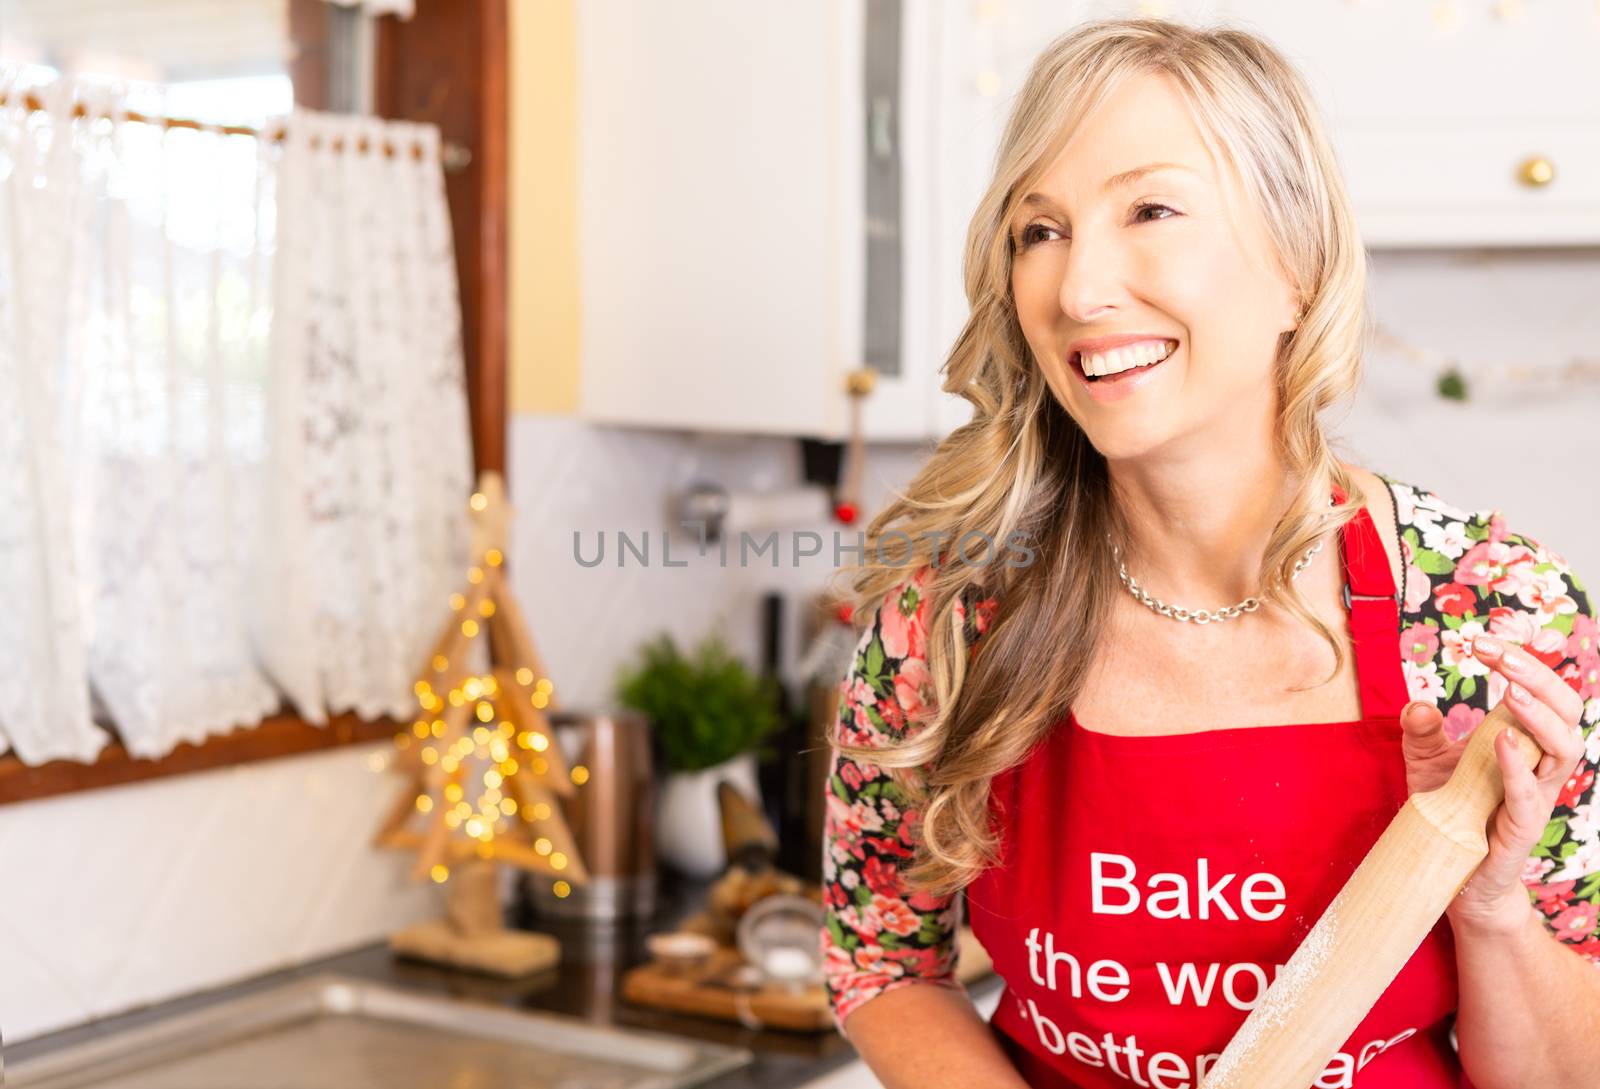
[[1442, 134], [725, 149], [722, 149]]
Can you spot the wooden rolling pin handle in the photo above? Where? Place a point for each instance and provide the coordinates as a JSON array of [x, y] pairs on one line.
[[1374, 924], [1461, 808]]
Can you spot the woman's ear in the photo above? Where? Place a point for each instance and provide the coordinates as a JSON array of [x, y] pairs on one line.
[[1296, 314]]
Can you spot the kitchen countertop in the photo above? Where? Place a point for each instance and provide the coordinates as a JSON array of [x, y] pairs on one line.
[[587, 984]]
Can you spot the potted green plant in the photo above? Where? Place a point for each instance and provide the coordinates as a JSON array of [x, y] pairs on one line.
[[708, 714]]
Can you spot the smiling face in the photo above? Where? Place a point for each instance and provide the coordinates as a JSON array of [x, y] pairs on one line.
[[1108, 248]]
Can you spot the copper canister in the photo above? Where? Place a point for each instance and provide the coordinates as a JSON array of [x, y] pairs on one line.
[[611, 817]]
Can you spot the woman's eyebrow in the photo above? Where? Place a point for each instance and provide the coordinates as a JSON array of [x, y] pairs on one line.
[[1127, 177]]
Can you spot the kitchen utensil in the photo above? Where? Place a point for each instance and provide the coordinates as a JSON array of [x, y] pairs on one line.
[[611, 817], [1374, 924]]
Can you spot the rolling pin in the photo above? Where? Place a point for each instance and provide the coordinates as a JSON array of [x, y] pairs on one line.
[[1374, 924]]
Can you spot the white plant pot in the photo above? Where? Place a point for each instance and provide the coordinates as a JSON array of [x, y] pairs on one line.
[[689, 820]]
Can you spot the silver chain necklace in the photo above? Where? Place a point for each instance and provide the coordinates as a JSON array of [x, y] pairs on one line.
[[1202, 616]]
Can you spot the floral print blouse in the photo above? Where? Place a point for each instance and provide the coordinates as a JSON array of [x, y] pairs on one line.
[[1465, 574]]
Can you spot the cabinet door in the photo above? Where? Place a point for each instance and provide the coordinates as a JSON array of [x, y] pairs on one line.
[[911, 403], [1440, 127], [719, 216], [1436, 122]]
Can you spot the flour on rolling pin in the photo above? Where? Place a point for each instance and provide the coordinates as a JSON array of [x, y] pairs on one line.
[[1304, 963]]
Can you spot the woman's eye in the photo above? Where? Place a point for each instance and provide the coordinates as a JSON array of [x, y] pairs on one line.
[[1031, 234], [1141, 209]]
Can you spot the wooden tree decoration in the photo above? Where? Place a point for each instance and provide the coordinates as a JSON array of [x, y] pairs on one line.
[[483, 768]]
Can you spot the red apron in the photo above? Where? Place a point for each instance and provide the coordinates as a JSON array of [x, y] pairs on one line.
[[1149, 888]]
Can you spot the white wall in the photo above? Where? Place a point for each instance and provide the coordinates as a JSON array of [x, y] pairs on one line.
[[125, 896], [117, 898]]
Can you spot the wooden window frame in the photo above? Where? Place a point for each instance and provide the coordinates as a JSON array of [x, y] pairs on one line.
[[446, 65]]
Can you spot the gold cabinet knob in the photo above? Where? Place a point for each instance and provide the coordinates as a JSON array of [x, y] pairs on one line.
[[1536, 171], [861, 382]]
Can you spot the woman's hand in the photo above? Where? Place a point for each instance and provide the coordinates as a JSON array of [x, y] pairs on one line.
[[1494, 898]]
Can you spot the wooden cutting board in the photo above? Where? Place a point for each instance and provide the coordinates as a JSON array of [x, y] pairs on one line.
[[722, 990]]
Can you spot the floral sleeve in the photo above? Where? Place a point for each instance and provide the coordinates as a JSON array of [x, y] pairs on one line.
[[877, 934], [1468, 575]]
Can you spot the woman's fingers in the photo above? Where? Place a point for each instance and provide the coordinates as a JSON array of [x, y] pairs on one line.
[[1423, 726], [1514, 830], [1526, 812], [1543, 703]]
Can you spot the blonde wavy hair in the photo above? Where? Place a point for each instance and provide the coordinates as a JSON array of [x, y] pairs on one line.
[[1022, 466]]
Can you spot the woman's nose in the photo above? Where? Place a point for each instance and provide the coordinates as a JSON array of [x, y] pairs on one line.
[[1091, 279]]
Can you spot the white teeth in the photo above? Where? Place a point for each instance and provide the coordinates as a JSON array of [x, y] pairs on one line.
[[1124, 358]]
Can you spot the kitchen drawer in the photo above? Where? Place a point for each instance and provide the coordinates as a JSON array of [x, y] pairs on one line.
[[1459, 184]]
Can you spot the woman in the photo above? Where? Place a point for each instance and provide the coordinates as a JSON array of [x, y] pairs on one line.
[[1146, 806]]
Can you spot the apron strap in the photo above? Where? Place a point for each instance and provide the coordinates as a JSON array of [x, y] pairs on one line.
[[1374, 607]]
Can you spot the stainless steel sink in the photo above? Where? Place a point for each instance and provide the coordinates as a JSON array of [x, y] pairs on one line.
[[339, 1032]]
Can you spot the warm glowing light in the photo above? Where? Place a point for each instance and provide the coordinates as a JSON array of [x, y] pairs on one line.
[[540, 765], [492, 779], [524, 675], [485, 608], [472, 689], [508, 767], [490, 799], [440, 663], [456, 698], [508, 806], [438, 727], [424, 803], [474, 827], [469, 628], [580, 774], [524, 740], [463, 810], [420, 729], [543, 846], [498, 750], [452, 792], [429, 755], [493, 557], [457, 602], [544, 686], [402, 741], [480, 734], [541, 811], [422, 688], [561, 889], [539, 700], [558, 861], [440, 873], [450, 763], [452, 819], [474, 575], [485, 712], [540, 742], [479, 501], [505, 729]]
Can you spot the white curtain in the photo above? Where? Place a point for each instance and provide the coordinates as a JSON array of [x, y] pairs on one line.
[[237, 454]]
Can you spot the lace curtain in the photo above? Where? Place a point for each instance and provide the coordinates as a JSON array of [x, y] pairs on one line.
[[237, 451]]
